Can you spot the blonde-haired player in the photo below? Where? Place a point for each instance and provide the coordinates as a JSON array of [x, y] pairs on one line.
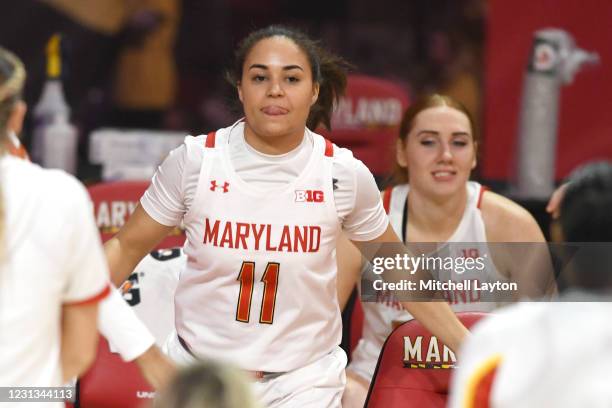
[[52, 268], [122, 327]]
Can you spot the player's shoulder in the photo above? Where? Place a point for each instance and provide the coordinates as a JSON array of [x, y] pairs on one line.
[[194, 146], [504, 324], [343, 156], [196, 141], [347, 166], [208, 139], [511, 316], [506, 220], [36, 178]]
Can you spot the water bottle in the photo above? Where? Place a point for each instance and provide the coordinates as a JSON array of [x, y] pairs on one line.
[[59, 144], [52, 103]]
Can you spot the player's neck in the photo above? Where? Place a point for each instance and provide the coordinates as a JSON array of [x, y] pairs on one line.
[[433, 218], [273, 145]]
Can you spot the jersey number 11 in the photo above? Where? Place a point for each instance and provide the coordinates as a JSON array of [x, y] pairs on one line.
[[247, 281]]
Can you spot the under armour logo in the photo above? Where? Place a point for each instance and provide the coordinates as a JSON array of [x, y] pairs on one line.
[[213, 186]]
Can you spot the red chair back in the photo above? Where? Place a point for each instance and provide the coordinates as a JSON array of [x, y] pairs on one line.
[[414, 368], [356, 324], [113, 383], [113, 204]]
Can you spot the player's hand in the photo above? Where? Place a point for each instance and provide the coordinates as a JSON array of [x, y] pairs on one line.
[[554, 204], [156, 367]]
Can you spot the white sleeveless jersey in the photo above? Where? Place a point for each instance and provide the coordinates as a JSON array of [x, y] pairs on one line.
[[250, 252], [468, 240]]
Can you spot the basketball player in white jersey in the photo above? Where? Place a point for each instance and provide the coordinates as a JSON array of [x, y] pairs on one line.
[[52, 268], [263, 202], [134, 333], [124, 329], [436, 152], [553, 353]]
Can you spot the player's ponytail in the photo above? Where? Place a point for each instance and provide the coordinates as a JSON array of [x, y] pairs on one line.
[[12, 77], [328, 70], [332, 84]]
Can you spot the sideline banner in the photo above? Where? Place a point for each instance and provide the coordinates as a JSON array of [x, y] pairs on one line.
[[367, 119]]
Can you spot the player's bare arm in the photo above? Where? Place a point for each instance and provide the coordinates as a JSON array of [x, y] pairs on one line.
[[349, 267], [508, 222], [133, 242], [437, 317], [79, 339], [156, 367]]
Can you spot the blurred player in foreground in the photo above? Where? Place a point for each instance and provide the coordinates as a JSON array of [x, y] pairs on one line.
[[124, 330], [52, 268], [208, 384], [553, 354]]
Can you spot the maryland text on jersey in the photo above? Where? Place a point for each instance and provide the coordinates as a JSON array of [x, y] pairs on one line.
[[262, 237]]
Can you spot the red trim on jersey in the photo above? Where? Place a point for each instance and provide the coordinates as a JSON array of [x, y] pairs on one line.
[[329, 148], [18, 151], [387, 198], [210, 140], [94, 299], [482, 190], [482, 393]]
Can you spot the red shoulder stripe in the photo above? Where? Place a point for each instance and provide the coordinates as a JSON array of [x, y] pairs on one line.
[[210, 140], [480, 383], [484, 388], [480, 194], [94, 299], [329, 148], [387, 198]]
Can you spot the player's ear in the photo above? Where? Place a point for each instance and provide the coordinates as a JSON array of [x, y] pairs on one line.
[[315, 93], [239, 88], [400, 153]]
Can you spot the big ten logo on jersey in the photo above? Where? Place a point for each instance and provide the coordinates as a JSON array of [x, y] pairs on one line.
[[130, 289], [427, 352], [110, 216], [309, 196]]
